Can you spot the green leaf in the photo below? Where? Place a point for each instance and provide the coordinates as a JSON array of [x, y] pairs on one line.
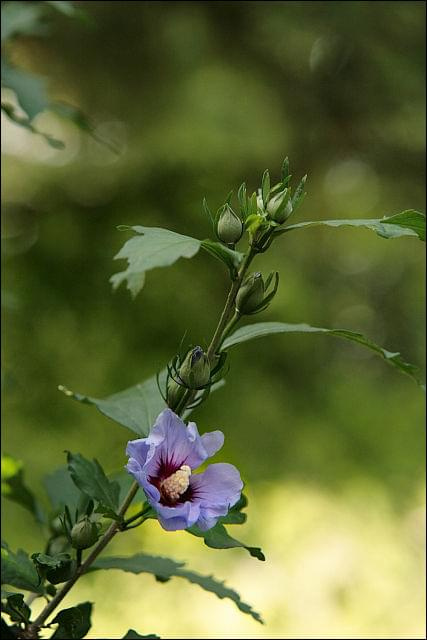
[[18, 571], [151, 248], [30, 89], [165, 568], [62, 491], [73, 623], [136, 408], [133, 635], [13, 487], [218, 538], [406, 223], [250, 332], [235, 515], [90, 478], [229, 257]]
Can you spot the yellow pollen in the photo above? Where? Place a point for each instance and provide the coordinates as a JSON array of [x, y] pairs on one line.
[[177, 484]]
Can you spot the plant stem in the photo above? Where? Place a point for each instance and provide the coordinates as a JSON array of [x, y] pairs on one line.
[[217, 338], [229, 307]]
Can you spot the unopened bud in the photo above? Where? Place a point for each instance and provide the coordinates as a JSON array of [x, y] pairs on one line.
[[250, 294], [174, 394], [279, 207], [229, 228], [84, 534], [195, 371]]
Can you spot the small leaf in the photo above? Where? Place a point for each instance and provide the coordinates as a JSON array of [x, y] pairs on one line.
[[18, 571], [151, 248], [73, 623], [90, 478], [218, 538], [243, 201], [133, 635], [265, 189], [250, 332], [17, 609], [299, 194], [207, 210], [406, 223], [285, 169], [165, 568], [13, 487]]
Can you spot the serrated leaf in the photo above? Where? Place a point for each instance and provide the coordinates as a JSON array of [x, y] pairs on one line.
[[406, 223], [13, 487], [90, 478], [218, 538], [232, 259], [51, 562], [165, 568], [150, 249], [73, 623], [18, 571], [250, 332]]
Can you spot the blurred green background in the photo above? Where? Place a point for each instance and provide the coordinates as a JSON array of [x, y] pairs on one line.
[[200, 96]]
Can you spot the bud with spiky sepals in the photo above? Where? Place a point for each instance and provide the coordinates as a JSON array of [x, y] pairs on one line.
[[174, 394], [250, 294], [84, 534], [195, 370], [279, 207], [229, 227]]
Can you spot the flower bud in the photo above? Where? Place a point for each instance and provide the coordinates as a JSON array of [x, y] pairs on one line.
[[279, 207], [250, 294], [174, 394], [84, 534], [229, 228], [195, 371]]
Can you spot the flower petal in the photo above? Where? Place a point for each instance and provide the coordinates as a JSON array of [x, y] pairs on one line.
[[219, 485], [138, 449], [181, 516], [213, 442]]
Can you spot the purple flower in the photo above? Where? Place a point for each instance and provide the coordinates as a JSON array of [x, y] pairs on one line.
[[163, 463]]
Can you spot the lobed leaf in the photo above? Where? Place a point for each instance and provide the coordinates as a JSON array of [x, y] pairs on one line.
[[250, 332], [165, 568]]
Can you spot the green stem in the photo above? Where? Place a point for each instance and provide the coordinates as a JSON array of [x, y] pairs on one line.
[[216, 341]]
